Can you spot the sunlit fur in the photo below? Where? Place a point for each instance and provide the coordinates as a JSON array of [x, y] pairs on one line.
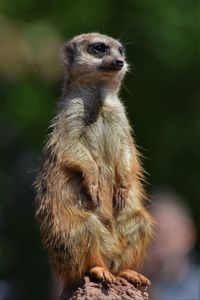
[[90, 155]]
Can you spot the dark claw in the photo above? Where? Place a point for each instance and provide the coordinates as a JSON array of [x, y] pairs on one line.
[[94, 195], [96, 201], [120, 198]]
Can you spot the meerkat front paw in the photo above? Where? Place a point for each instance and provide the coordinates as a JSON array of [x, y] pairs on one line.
[[93, 192], [119, 198]]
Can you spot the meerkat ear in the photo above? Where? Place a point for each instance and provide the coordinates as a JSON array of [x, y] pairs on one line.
[[67, 53]]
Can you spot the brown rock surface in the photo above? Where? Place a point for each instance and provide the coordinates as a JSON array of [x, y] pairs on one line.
[[90, 290]]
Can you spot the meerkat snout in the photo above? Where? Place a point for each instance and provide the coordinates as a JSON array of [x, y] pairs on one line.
[[119, 63], [112, 64]]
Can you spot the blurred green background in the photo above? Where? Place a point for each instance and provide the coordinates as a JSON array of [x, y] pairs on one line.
[[162, 96]]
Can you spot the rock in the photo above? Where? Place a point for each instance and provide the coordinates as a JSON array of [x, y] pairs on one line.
[[91, 290]]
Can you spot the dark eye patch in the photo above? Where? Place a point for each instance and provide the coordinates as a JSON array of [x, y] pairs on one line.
[[98, 48]]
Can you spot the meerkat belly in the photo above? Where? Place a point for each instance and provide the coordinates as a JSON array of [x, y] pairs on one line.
[[103, 140]]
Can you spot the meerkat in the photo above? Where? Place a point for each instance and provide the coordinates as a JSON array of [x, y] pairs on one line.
[[90, 198]]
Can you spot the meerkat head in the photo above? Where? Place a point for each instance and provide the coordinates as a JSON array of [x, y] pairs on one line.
[[93, 57]]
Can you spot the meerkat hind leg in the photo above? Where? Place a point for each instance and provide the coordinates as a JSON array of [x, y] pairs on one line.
[[135, 229]]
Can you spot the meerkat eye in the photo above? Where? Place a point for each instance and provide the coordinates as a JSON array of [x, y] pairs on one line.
[[122, 50], [98, 48]]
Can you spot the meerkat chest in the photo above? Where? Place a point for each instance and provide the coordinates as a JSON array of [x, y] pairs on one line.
[[106, 135]]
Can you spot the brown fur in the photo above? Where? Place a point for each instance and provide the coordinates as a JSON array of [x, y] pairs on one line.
[[89, 192]]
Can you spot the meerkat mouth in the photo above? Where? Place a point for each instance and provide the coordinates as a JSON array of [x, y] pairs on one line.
[[110, 68]]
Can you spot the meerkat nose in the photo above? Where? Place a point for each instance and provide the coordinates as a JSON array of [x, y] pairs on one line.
[[119, 62]]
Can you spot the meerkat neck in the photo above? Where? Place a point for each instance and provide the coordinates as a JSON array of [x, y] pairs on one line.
[[93, 97], [102, 89]]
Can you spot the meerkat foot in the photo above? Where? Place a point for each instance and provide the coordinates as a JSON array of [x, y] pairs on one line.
[[134, 277], [120, 197], [102, 274]]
